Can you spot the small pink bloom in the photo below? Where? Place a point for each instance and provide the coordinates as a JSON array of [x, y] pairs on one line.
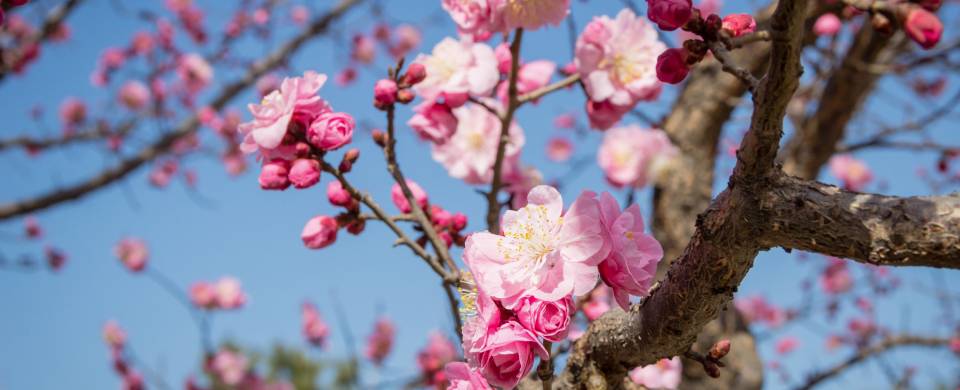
[[304, 173], [672, 66], [331, 131], [134, 95], [565, 121], [603, 115], [319, 232], [56, 258], [203, 295], [923, 27], [274, 175], [407, 38], [543, 252], [598, 303], [664, 374], [508, 354], [739, 24], [133, 253], [299, 14], [32, 227], [315, 329], [337, 195], [380, 342], [433, 121], [364, 49], [399, 200], [462, 377], [384, 92], [530, 77], [632, 263], [457, 69], [231, 367], [234, 163], [261, 16], [295, 105], [827, 25], [854, 173], [550, 320], [73, 112], [434, 356], [112, 58], [631, 156], [471, 151], [787, 344], [532, 14], [114, 336], [195, 72], [836, 278], [757, 309], [669, 15], [559, 149], [478, 19], [229, 294], [346, 77], [142, 43]]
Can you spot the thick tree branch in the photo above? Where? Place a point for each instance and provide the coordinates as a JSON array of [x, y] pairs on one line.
[[188, 126]]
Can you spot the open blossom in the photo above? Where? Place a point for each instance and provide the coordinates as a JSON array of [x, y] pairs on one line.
[[295, 102], [433, 121], [364, 49], [229, 294], [532, 14], [315, 329], [531, 76], [457, 69], [669, 15], [133, 253], [134, 95], [632, 263], [664, 374], [399, 200], [836, 278], [194, 71], [462, 377], [617, 60], [434, 356], [319, 232], [854, 173], [231, 367], [507, 356], [631, 156], [827, 24], [550, 320], [380, 342], [543, 252], [470, 153], [478, 19], [113, 335]]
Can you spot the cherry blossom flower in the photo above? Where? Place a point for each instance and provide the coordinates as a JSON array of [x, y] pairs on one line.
[[194, 71], [559, 149], [507, 356], [363, 50], [470, 153], [315, 329], [531, 76], [923, 27], [457, 69], [407, 38], [617, 60], [550, 320], [399, 200], [304, 173], [854, 173], [230, 366], [532, 14], [827, 25], [229, 295], [113, 335], [477, 19], [632, 156], [56, 258], [462, 377], [331, 131], [434, 356], [134, 95], [672, 65], [203, 295], [274, 174], [133, 253], [73, 112], [380, 342], [319, 232], [565, 121], [664, 374], [787, 344], [739, 24], [299, 14], [542, 251], [632, 263]]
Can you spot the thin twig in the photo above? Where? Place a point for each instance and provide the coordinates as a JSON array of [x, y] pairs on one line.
[[493, 205]]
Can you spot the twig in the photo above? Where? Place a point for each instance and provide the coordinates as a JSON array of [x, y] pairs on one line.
[[538, 93], [493, 205], [545, 370], [723, 56]]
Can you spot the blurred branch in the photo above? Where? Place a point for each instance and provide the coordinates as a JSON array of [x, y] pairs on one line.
[[50, 25]]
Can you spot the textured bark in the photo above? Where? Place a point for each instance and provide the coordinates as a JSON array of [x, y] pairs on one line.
[[874, 229]]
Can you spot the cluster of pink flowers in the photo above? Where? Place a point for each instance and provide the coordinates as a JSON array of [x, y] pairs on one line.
[[434, 356], [526, 278], [225, 293], [116, 339], [480, 19], [133, 253], [756, 309], [231, 367], [616, 59], [315, 329], [471, 150], [380, 342], [664, 374], [11, 4], [632, 156]]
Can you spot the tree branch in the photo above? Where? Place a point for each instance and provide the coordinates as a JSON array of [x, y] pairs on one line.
[[50, 25], [493, 203]]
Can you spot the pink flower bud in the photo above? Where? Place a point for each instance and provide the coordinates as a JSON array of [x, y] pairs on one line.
[[304, 172], [549, 320], [32, 227], [459, 222], [559, 149], [739, 24], [113, 335], [319, 232], [55, 258], [827, 24], [331, 131], [720, 349], [203, 295], [133, 253], [923, 27], [672, 66], [337, 195], [229, 295], [416, 72], [399, 200], [504, 58], [384, 93], [134, 95], [405, 96], [273, 175], [669, 15]]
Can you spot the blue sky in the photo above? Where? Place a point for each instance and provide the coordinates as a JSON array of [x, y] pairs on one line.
[[50, 324]]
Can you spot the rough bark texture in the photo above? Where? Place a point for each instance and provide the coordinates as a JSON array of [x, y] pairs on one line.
[[874, 229]]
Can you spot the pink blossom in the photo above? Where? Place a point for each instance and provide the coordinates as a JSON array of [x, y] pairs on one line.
[[203, 295], [142, 43], [416, 72], [364, 49], [433, 121], [337, 195], [346, 76], [331, 131], [508, 354], [319, 232], [234, 163], [836, 278], [112, 58], [295, 102], [134, 95], [862, 328], [669, 15], [384, 93], [113, 335], [632, 263], [304, 173], [274, 174], [457, 69], [827, 24], [854, 173], [550, 320], [229, 295], [462, 377], [407, 38], [787, 344], [73, 112], [757, 309], [531, 76], [32, 227], [195, 72], [267, 83], [299, 14], [532, 14], [434, 356], [477, 19], [616, 59], [664, 374], [380, 341], [315, 329], [603, 115], [261, 16], [923, 27], [559, 149], [399, 200], [598, 303], [56, 258], [132, 381], [672, 66], [739, 24], [565, 121], [632, 156], [470, 153], [543, 252], [133, 253], [231, 367], [955, 345], [520, 180]]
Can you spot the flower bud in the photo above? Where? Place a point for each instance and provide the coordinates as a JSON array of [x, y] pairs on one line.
[[720, 349], [350, 157], [672, 66], [923, 27], [319, 232], [337, 195], [273, 175], [384, 93], [379, 137], [405, 96], [416, 72], [304, 173]]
